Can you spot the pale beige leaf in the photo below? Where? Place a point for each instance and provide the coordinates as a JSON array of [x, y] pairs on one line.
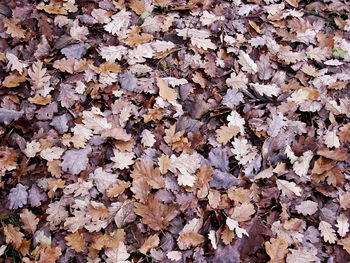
[[122, 160], [51, 153], [212, 238], [288, 188], [302, 164], [38, 75], [247, 63], [165, 92], [147, 138], [307, 207], [331, 139], [225, 133], [163, 162], [342, 225], [174, 255], [327, 232], [302, 254], [239, 81], [14, 63], [243, 212]]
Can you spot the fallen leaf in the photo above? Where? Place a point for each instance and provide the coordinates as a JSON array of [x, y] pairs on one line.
[[276, 248], [151, 242]]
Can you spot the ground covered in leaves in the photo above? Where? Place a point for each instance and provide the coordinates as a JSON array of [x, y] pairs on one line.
[[174, 131]]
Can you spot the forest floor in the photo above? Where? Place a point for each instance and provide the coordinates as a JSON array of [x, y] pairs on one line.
[[174, 131]]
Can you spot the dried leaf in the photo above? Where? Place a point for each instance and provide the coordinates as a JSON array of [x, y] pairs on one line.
[[151, 242], [75, 241], [29, 220], [327, 232], [276, 248], [164, 91]]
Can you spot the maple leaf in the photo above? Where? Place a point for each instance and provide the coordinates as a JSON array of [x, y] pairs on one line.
[[13, 235], [154, 214], [29, 220], [75, 241], [151, 242], [38, 75], [276, 248], [327, 232]]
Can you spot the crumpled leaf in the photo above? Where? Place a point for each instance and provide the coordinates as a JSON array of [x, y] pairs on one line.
[[7, 116]]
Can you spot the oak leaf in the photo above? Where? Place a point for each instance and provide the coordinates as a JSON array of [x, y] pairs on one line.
[[202, 181], [151, 242], [247, 63], [307, 207], [37, 73], [342, 225], [190, 239], [13, 235], [243, 212], [226, 133], [277, 249], [75, 241], [155, 214], [12, 28], [327, 232], [112, 240], [48, 254], [165, 92], [288, 188], [29, 220], [227, 235]]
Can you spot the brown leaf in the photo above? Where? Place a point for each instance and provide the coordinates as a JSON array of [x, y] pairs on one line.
[[154, 214], [143, 169], [227, 235], [151, 242], [141, 189], [39, 100], [243, 212], [190, 239], [138, 6], [13, 235], [116, 189], [98, 211], [48, 254], [163, 162], [336, 155], [75, 241], [29, 220], [135, 38], [202, 181], [13, 29], [344, 134], [277, 249], [111, 240]]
